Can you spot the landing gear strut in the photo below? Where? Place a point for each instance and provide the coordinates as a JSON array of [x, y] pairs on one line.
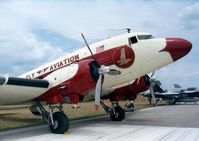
[[129, 106], [116, 112], [58, 121]]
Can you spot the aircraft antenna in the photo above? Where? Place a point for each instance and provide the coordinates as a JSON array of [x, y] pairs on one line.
[[128, 30]]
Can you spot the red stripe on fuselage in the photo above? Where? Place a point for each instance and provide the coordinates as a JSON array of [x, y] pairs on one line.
[[104, 58]]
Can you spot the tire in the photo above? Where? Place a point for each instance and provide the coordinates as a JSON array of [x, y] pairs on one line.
[[172, 101], [119, 114], [61, 123], [130, 108], [36, 113]]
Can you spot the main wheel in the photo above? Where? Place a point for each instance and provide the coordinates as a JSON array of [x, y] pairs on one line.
[[130, 108], [61, 123], [172, 101], [119, 114]]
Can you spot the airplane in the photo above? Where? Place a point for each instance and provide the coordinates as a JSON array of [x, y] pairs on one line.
[[160, 94], [178, 94], [192, 91], [188, 94], [114, 68]]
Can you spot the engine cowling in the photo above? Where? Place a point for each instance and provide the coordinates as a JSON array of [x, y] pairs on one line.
[[73, 81], [130, 92], [84, 80]]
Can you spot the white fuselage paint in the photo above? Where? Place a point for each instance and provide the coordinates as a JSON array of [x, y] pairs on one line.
[[147, 59]]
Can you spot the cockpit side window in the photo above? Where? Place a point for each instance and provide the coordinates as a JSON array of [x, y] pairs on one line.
[[133, 40], [144, 37]]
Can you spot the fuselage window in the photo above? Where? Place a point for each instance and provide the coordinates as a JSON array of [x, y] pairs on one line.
[[133, 40], [144, 37]]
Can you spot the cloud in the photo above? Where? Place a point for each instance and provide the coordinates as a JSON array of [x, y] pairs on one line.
[[184, 71], [23, 51], [185, 75], [190, 16], [23, 46], [71, 18]]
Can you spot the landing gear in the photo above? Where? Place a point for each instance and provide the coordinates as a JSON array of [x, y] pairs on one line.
[[116, 112], [129, 106], [58, 121], [172, 101], [61, 123]]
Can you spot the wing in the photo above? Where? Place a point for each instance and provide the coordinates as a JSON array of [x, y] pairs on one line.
[[14, 90]]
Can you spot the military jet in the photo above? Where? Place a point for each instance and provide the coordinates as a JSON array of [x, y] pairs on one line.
[[177, 94]]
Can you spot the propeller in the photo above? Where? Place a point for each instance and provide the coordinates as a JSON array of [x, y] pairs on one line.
[[97, 63], [102, 70], [152, 73], [153, 82]]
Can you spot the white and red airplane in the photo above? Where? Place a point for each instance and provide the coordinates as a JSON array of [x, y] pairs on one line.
[[114, 68]]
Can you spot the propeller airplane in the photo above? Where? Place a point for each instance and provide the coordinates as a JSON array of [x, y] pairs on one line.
[[114, 68]]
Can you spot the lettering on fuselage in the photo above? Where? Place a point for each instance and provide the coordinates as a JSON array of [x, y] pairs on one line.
[[54, 67]]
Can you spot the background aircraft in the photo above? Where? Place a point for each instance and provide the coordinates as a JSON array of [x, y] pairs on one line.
[[192, 91], [114, 68], [178, 94]]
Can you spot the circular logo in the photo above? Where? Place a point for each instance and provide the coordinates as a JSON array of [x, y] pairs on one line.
[[123, 57]]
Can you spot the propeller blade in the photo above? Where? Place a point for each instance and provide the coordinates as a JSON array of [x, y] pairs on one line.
[[138, 80], [152, 73], [152, 83], [90, 49], [98, 92]]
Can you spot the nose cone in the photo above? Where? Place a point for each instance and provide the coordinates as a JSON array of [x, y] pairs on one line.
[[177, 47]]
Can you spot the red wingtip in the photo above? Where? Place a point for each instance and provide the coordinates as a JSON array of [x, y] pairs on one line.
[[96, 107]]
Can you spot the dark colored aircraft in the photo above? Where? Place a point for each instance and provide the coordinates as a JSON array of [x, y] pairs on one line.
[[178, 94]]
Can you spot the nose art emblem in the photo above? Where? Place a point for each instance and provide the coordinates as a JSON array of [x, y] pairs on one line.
[[123, 57]]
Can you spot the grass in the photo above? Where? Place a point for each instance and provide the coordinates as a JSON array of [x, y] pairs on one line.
[[17, 118]]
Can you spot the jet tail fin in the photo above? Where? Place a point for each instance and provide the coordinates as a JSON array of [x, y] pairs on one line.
[[177, 86], [157, 88]]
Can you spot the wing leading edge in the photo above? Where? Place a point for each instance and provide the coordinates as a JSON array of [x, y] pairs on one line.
[[27, 82], [14, 90]]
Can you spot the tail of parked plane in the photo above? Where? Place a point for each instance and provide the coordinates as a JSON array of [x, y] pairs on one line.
[[157, 88], [177, 86]]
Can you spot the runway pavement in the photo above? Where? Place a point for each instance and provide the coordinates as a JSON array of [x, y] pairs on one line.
[[165, 123]]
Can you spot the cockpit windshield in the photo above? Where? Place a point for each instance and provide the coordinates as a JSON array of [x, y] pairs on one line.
[[144, 37]]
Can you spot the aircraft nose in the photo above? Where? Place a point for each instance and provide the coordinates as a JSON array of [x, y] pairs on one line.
[[177, 47]]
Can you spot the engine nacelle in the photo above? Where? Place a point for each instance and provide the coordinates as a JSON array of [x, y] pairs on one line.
[[84, 80], [73, 81], [130, 92]]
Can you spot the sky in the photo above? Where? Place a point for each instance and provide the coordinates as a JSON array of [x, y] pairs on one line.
[[33, 33]]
